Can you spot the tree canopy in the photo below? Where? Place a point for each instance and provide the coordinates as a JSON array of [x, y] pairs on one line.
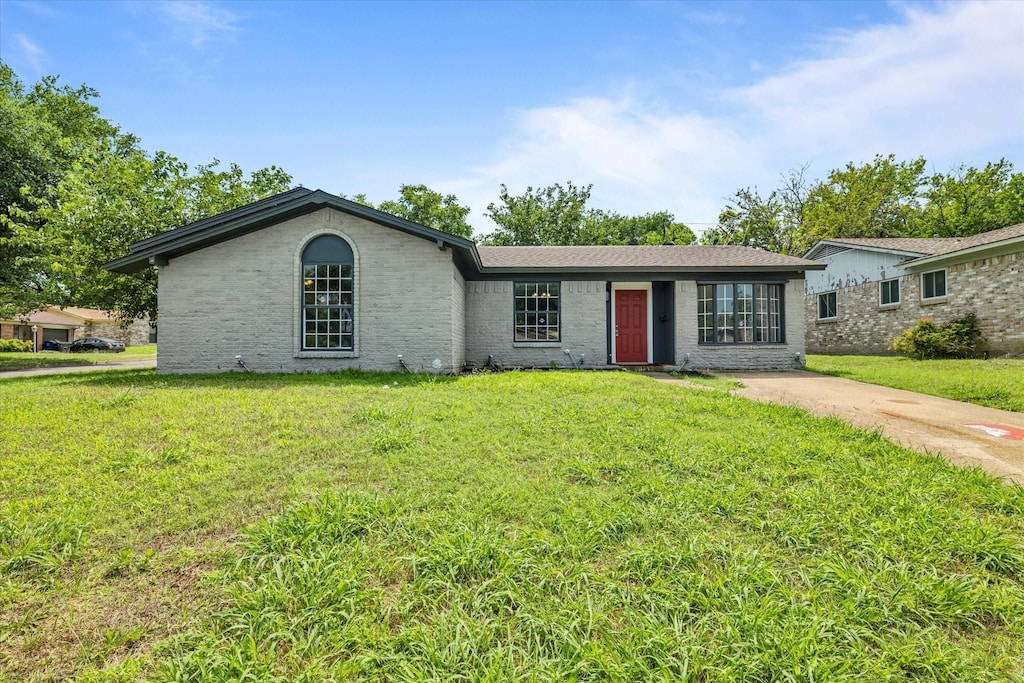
[[882, 198], [420, 204], [558, 215], [75, 192]]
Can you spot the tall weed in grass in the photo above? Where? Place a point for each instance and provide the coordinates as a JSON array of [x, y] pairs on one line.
[[520, 526]]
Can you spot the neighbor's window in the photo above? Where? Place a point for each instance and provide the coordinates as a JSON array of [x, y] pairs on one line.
[[739, 313], [933, 284], [827, 306], [889, 292], [537, 311], [327, 295]]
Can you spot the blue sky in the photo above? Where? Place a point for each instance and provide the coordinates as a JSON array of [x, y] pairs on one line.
[[661, 105]]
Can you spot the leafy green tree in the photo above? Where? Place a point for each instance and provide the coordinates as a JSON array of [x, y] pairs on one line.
[[553, 215], [967, 201], [75, 192], [878, 199], [608, 227], [420, 204], [773, 223]]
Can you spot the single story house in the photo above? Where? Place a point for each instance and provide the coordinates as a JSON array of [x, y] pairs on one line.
[[873, 289], [306, 281], [71, 322]]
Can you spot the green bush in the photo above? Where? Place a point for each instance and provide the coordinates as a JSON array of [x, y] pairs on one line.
[[15, 345], [959, 338]]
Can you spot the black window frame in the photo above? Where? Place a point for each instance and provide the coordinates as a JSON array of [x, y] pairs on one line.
[[527, 291], [882, 290], [824, 296], [327, 265], [746, 310]]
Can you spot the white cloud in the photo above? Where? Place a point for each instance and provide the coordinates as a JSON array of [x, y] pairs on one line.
[[950, 81], [198, 23], [942, 84], [31, 53]]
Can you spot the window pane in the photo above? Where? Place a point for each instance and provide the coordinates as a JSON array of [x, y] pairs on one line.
[[536, 306], [744, 313], [724, 313]]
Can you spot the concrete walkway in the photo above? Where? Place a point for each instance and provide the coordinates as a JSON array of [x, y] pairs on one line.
[[964, 433], [92, 367]]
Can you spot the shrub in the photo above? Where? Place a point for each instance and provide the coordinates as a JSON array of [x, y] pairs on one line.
[[959, 338], [15, 345]]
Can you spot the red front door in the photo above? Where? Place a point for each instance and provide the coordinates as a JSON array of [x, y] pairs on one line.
[[631, 326]]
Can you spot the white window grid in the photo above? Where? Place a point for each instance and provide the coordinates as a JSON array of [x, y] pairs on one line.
[[537, 311], [327, 306]]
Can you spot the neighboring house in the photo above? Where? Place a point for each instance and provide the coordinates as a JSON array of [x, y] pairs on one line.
[[309, 282], [873, 289], [71, 323]]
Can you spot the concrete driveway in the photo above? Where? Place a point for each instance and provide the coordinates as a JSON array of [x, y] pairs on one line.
[[965, 434]]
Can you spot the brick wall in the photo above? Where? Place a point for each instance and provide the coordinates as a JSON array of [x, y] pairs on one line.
[[993, 288], [490, 326], [241, 297], [135, 334]]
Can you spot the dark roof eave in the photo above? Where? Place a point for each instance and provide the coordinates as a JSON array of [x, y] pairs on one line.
[[248, 219], [554, 270]]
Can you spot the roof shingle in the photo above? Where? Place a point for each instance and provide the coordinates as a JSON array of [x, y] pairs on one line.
[[933, 246], [637, 257]]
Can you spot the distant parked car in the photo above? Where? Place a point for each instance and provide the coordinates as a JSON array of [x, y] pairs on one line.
[[97, 344]]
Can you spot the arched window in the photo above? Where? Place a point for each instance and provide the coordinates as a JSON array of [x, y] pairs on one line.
[[327, 295]]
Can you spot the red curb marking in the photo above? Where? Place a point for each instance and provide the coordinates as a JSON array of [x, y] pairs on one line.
[[1001, 431]]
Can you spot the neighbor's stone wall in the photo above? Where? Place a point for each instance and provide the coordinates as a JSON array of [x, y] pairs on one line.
[[993, 288], [490, 326], [241, 297], [694, 356], [136, 334]]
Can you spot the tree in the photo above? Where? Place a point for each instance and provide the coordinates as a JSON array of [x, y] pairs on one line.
[[553, 215], [967, 201], [75, 192], [773, 223], [651, 229], [878, 199], [420, 204]]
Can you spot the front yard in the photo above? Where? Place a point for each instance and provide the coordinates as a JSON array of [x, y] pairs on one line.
[[997, 383], [519, 526]]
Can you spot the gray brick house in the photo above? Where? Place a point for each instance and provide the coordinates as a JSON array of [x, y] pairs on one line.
[[306, 281], [872, 289]]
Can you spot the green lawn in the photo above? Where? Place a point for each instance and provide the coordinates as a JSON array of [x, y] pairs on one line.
[[997, 383], [24, 361], [540, 526]]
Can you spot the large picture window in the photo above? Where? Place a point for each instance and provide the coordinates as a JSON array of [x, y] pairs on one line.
[[933, 284], [327, 295], [739, 314], [537, 311]]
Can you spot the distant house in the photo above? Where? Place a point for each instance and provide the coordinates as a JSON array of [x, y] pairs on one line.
[[306, 281], [872, 289], [71, 323]]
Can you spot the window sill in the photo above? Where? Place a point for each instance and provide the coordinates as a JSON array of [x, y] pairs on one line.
[[935, 301], [536, 345], [326, 354], [826, 321], [888, 307]]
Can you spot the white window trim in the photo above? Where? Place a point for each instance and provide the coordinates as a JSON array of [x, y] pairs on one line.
[[650, 318], [882, 304], [817, 305], [945, 281], [297, 350]]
